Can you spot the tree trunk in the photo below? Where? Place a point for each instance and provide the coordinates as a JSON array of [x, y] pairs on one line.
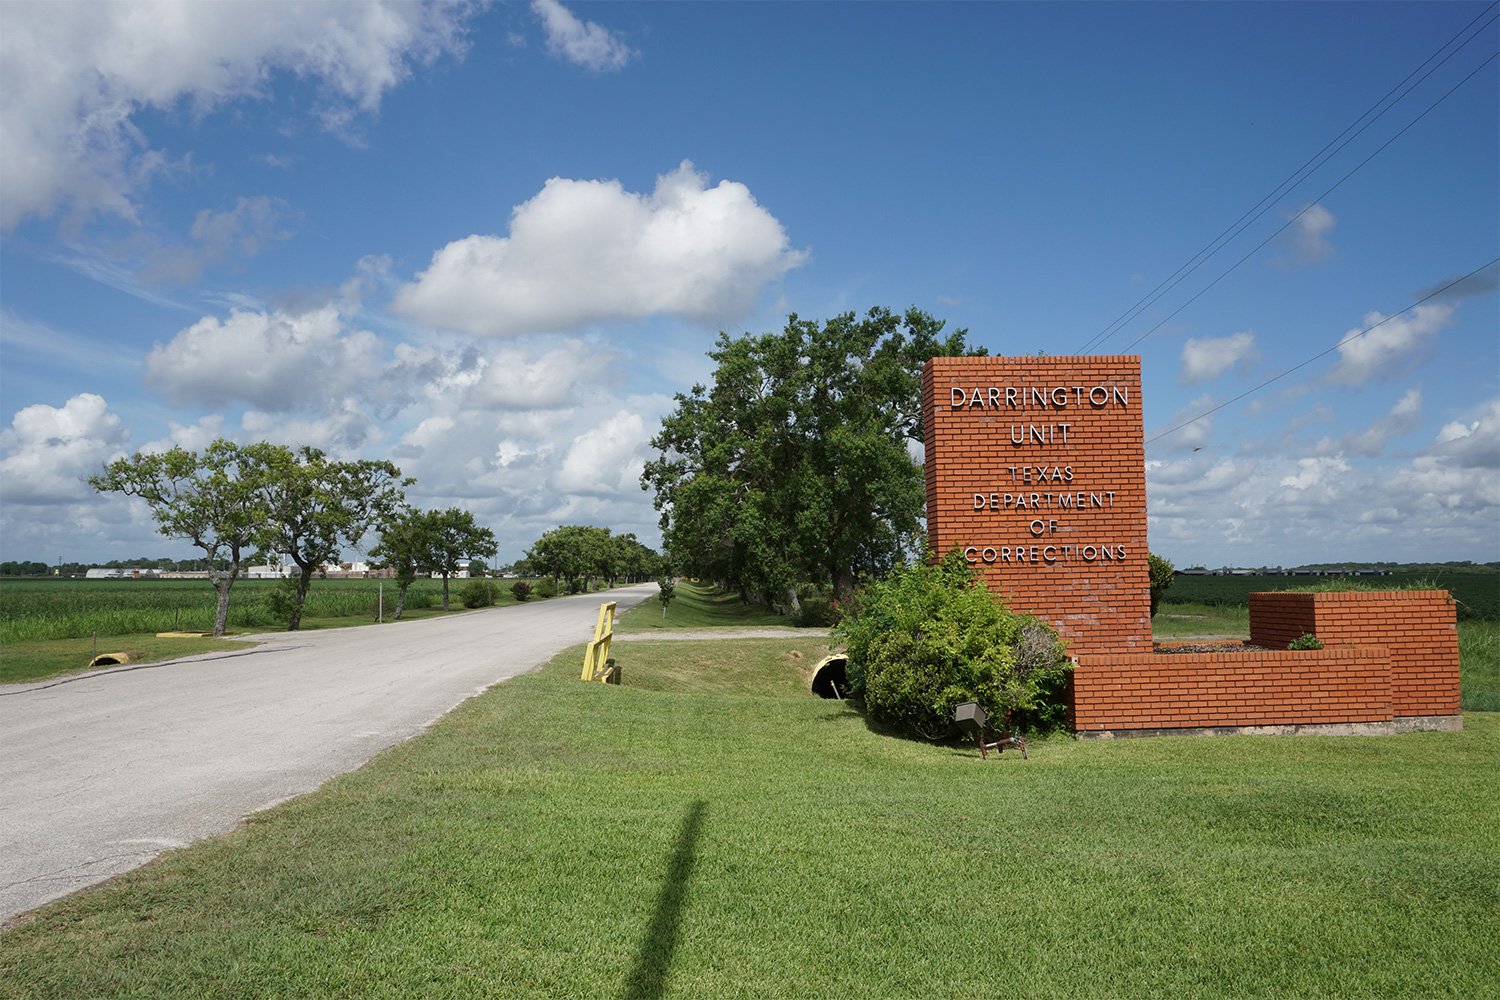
[[445, 590], [304, 580], [843, 583], [793, 602], [400, 600], [221, 612]]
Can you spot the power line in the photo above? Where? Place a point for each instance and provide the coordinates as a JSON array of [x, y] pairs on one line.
[[1336, 185], [1316, 162], [1342, 341]]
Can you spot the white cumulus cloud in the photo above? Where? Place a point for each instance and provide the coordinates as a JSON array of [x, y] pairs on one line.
[[1473, 444], [516, 380], [272, 360], [49, 451], [606, 459], [590, 251], [74, 75], [1307, 237], [1391, 347], [1403, 418], [1192, 429], [1203, 360], [583, 43]]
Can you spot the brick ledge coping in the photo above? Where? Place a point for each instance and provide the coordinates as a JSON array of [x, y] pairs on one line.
[[1394, 727]]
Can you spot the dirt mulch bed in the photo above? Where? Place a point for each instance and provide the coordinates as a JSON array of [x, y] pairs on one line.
[[1212, 647]]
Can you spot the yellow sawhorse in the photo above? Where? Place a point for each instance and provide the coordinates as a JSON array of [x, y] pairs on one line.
[[596, 663]]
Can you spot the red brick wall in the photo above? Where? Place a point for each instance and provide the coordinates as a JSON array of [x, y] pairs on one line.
[[1190, 690], [1418, 627], [1097, 603]]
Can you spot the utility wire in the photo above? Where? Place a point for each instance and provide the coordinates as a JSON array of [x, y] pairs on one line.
[[1342, 341], [1336, 185], [1316, 162]]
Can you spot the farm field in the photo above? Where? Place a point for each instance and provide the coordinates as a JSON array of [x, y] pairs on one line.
[[1477, 592], [32, 610], [721, 833]]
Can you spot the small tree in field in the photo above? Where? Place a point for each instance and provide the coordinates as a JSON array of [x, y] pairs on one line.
[[315, 506], [405, 547], [666, 591], [1162, 577], [456, 537], [212, 500]]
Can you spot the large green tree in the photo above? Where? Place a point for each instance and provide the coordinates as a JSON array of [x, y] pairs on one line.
[[405, 546], [429, 541], [214, 500], [585, 552], [315, 506], [455, 537], [795, 465]]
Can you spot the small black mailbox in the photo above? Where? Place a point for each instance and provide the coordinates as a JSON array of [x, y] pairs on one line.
[[971, 717]]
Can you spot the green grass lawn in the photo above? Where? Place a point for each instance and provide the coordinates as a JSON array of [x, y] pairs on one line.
[[711, 830], [698, 605], [34, 661], [1479, 665], [1173, 621]]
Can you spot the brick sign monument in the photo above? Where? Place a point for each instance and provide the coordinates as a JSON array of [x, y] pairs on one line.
[[1036, 472]]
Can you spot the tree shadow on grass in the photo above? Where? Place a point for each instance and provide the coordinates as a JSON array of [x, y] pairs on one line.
[[653, 955]]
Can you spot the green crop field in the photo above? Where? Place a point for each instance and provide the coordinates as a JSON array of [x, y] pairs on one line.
[[68, 609], [1477, 592]]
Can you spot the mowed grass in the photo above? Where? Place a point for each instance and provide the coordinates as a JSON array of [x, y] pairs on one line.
[[711, 830], [699, 605], [1173, 621], [1479, 665], [32, 661]]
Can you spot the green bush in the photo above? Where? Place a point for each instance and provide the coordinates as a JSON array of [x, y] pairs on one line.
[[546, 587], [576, 585], [1162, 577], [816, 612], [476, 594], [930, 637], [281, 600], [1305, 641], [520, 590]]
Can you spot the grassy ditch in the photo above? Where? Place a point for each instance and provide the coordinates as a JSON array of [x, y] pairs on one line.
[[33, 661], [711, 830], [699, 605]]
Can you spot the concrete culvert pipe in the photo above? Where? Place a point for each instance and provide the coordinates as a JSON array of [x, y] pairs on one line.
[[109, 660], [829, 680]]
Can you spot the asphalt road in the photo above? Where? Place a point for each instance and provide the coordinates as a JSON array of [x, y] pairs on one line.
[[101, 773]]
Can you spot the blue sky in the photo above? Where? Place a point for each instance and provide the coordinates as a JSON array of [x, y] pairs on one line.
[[490, 242]]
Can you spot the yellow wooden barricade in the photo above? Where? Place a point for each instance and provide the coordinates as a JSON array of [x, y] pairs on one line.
[[596, 663]]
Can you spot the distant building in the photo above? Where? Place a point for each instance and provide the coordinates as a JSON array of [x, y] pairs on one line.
[[113, 573], [462, 573]]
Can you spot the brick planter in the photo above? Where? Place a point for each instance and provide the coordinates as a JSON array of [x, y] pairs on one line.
[[1125, 692], [1418, 628]]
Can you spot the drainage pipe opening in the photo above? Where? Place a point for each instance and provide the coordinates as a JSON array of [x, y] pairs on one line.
[[829, 679]]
